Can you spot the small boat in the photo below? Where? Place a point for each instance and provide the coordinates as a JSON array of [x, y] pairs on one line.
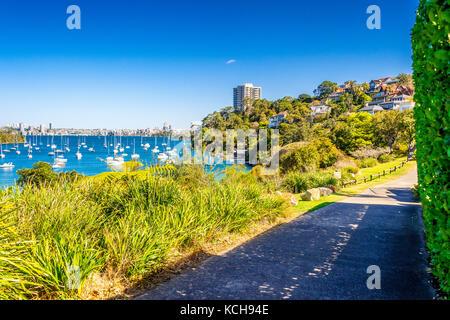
[[78, 154], [6, 165], [2, 156], [60, 160], [91, 150], [17, 152], [134, 156], [51, 153]]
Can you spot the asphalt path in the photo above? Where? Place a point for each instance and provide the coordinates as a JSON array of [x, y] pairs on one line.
[[324, 254]]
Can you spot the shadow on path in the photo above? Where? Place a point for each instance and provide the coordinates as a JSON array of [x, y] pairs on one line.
[[322, 255]]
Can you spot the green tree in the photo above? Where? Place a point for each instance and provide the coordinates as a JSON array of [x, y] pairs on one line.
[[290, 133], [305, 98], [388, 126], [42, 174], [404, 79], [325, 89], [353, 131]]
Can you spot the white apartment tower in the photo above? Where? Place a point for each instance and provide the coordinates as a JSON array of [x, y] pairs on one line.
[[241, 92]]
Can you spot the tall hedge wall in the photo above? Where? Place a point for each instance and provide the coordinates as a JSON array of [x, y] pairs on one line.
[[430, 43]]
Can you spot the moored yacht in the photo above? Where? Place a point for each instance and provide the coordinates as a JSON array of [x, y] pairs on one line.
[[7, 165]]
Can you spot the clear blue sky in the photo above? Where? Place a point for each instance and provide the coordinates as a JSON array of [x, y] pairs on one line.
[[136, 64]]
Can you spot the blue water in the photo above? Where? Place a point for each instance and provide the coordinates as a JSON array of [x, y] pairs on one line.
[[91, 162]]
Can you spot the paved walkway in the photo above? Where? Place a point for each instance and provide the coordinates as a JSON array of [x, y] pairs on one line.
[[323, 255]]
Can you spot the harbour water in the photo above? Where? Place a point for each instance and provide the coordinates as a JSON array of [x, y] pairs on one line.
[[91, 162]]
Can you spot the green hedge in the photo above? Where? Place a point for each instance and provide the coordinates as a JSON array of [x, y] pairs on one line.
[[430, 62]]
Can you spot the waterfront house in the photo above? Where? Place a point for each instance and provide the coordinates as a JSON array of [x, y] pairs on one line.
[[371, 109], [374, 84]]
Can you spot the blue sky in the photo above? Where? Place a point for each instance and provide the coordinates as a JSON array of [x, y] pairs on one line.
[[136, 64]]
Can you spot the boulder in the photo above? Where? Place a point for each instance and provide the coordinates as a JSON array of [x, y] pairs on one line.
[[311, 194], [325, 191]]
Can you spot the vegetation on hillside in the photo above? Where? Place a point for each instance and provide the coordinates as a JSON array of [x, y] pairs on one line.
[[10, 136]]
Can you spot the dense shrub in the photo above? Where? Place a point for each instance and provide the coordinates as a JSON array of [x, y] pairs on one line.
[[299, 182], [42, 173], [193, 175], [384, 158], [431, 51], [304, 159], [307, 157], [350, 169], [116, 226], [368, 162], [328, 153], [401, 149], [353, 131]]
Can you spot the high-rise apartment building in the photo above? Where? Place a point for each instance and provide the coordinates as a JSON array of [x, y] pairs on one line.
[[244, 91]]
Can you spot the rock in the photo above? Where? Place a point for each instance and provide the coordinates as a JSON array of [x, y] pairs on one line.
[[325, 191], [311, 194]]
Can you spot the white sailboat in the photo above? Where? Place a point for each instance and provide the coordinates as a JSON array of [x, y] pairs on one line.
[[7, 165], [155, 149], [78, 154], [2, 155], [134, 156]]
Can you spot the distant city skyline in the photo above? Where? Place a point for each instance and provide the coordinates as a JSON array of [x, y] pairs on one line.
[[137, 64]]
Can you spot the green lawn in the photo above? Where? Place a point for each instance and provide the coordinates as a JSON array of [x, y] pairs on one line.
[[308, 206]]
